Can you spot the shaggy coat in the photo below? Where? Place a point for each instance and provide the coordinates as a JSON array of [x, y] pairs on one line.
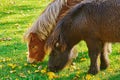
[[97, 22], [38, 33]]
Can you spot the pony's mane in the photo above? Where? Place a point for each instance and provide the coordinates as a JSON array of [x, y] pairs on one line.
[[43, 26], [63, 27], [47, 20]]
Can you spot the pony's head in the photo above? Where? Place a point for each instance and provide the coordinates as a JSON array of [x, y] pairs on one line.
[[59, 56], [36, 48], [59, 45], [65, 35]]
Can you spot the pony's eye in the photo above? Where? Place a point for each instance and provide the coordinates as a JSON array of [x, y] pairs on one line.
[[57, 44], [33, 47]]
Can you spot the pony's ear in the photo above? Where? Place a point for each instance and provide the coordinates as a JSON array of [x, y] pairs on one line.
[[33, 36], [62, 43]]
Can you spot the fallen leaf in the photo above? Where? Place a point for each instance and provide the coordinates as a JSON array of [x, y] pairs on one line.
[[22, 75], [36, 71], [12, 71], [40, 67]]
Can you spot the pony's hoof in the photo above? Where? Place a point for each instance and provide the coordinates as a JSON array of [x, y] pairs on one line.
[[103, 67], [93, 71]]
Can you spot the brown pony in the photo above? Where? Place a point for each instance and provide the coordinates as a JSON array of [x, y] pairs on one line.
[[97, 22], [36, 36]]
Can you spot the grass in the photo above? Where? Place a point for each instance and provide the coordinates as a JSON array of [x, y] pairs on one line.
[[15, 18]]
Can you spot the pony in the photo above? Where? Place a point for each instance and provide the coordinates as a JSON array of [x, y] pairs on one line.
[[37, 35], [97, 22]]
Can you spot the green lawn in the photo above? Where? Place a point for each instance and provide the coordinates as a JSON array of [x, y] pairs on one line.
[[15, 18]]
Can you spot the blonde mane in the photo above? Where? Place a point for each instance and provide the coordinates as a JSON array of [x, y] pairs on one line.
[[46, 21], [50, 16]]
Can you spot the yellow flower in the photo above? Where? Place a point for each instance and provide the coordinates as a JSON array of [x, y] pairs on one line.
[[34, 65], [12, 65], [12, 71], [8, 59], [78, 72], [16, 79], [1, 66], [88, 77], [25, 64], [73, 67], [0, 60], [43, 71], [28, 72], [51, 75], [98, 79], [4, 60], [27, 52], [110, 70], [83, 59], [20, 67], [36, 71]]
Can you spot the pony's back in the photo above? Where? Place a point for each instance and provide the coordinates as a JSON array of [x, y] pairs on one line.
[[89, 17]]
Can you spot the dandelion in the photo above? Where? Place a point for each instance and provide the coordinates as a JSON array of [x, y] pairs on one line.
[[88, 77], [12, 65], [43, 71], [51, 75], [83, 59]]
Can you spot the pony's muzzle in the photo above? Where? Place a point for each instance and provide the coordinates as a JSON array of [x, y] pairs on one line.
[[30, 60], [54, 68]]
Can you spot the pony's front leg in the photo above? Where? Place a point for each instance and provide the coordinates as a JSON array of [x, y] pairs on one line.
[[94, 48]]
